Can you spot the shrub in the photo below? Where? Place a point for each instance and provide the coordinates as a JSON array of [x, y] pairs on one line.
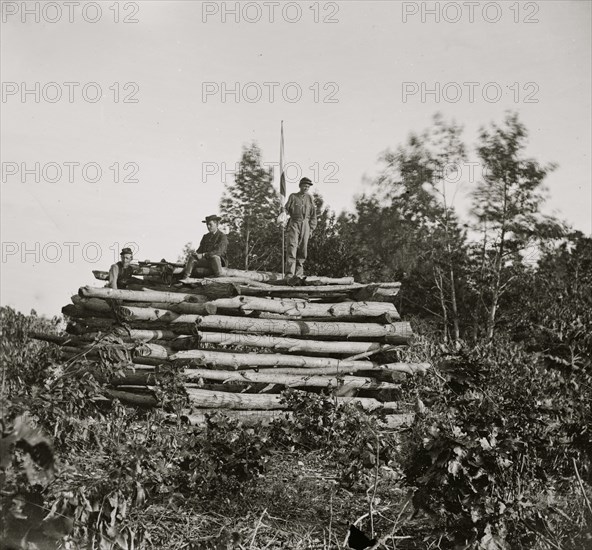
[[491, 458]]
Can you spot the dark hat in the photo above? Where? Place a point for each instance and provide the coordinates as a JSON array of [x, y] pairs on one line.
[[212, 218], [126, 251], [305, 181]]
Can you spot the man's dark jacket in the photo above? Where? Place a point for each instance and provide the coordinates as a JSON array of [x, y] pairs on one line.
[[214, 245]]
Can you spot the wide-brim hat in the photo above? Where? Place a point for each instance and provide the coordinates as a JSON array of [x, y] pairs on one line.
[[212, 218], [305, 181]]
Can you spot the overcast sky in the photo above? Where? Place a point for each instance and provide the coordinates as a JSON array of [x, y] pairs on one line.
[[160, 97]]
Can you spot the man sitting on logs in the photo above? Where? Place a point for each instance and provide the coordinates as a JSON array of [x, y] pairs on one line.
[[211, 252], [121, 273]]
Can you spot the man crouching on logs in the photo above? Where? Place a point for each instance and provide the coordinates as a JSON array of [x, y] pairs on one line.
[[211, 252]]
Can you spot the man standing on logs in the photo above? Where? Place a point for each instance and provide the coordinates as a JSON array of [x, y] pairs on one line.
[[303, 221], [211, 252]]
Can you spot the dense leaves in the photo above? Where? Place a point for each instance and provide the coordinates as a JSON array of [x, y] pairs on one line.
[[249, 208]]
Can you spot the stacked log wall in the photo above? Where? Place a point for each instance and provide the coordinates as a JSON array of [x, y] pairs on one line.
[[238, 340]]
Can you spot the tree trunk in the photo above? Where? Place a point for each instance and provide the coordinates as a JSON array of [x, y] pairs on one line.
[[455, 321], [247, 235], [439, 286]]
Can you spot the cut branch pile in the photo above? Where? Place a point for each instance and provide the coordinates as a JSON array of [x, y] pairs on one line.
[[238, 340]]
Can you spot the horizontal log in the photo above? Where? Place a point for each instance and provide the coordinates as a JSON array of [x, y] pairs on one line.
[[277, 343], [387, 368], [92, 304], [94, 337], [235, 361], [266, 276], [103, 305], [161, 263], [206, 399], [199, 418], [394, 333], [127, 335], [300, 308], [249, 401], [141, 296], [130, 313], [141, 349], [61, 340], [325, 289], [261, 276], [144, 270], [157, 269], [92, 324], [277, 289], [408, 368], [358, 291], [290, 381], [384, 318], [265, 377], [400, 330], [147, 335], [363, 294], [78, 312], [132, 398]]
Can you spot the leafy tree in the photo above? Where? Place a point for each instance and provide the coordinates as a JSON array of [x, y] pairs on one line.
[[406, 228], [187, 249], [250, 207], [506, 205], [328, 251]]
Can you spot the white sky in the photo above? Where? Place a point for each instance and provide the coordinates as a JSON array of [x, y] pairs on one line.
[[174, 134]]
